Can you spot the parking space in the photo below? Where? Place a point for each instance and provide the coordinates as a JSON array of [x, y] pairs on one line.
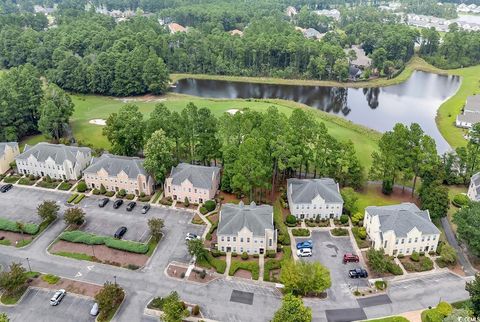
[[20, 204], [35, 306], [329, 252]]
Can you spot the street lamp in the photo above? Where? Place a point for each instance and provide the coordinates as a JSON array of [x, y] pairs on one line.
[[29, 268], [115, 278]]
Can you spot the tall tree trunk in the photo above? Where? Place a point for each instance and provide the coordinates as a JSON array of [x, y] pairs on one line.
[[414, 183], [273, 179]]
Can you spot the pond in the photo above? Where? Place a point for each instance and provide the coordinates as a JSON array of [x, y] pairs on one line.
[[414, 101]]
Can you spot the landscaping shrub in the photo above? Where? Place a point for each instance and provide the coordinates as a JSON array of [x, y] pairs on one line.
[[291, 220], [50, 278], [256, 256], [9, 225], [196, 310], [339, 232], [96, 192], [283, 237], [203, 210], [234, 254], [78, 199], [102, 189], [344, 219], [78, 236], [186, 202], [130, 196], [415, 257], [380, 285], [82, 186], [357, 218], [301, 232], [394, 268], [65, 186], [252, 267], [215, 253], [121, 193], [210, 205], [126, 245], [362, 233], [460, 200], [11, 179], [271, 254], [244, 256], [133, 267], [219, 265], [26, 182], [109, 194]]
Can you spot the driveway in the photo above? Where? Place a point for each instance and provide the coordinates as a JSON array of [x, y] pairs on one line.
[[35, 306], [452, 240], [20, 204], [329, 250]]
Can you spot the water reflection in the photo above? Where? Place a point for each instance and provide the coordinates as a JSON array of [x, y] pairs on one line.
[[415, 100]]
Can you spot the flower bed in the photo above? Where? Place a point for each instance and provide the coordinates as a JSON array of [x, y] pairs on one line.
[[416, 263], [339, 232], [300, 232], [65, 186], [26, 181], [11, 179]]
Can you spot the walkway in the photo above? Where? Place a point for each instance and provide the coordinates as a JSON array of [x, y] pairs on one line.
[[452, 240]]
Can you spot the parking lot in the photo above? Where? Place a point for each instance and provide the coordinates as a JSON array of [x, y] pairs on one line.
[[20, 204], [329, 252], [35, 306]]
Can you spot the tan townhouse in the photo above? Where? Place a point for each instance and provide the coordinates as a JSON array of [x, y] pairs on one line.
[[246, 228], [195, 182], [401, 229], [8, 152], [118, 172]]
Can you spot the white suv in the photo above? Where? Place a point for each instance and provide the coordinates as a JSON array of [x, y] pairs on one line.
[[57, 297], [304, 252]]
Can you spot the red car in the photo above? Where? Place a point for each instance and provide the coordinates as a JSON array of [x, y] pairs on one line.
[[350, 258]]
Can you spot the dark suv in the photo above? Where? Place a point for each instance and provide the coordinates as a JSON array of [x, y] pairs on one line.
[[120, 232], [350, 258], [103, 202], [358, 273], [117, 203], [131, 205], [6, 187]]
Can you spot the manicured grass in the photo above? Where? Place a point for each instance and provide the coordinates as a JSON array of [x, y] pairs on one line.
[[452, 191], [23, 243], [78, 256], [5, 242], [370, 195], [449, 110], [26, 181], [50, 278], [155, 197], [152, 244], [390, 319], [11, 179], [65, 186], [271, 264], [252, 267], [48, 185], [211, 262], [10, 299], [32, 140]]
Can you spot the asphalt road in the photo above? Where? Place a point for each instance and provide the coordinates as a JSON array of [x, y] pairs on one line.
[[215, 298]]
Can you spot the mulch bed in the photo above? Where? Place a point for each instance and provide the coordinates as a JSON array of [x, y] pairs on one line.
[[243, 274], [102, 253], [195, 277], [176, 271], [71, 286], [213, 218], [371, 273], [230, 198], [14, 237], [182, 206], [210, 243]]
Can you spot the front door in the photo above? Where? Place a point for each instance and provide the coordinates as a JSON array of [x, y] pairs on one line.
[[331, 216], [229, 249], [426, 248], [302, 216], [261, 250]]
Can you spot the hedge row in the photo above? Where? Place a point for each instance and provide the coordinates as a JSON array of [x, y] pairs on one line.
[[79, 198], [78, 236], [9, 225], [72, 198], [252, 267]]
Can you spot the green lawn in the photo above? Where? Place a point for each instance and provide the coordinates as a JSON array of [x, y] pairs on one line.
[[371, 195], [452, 191], [88, 107]]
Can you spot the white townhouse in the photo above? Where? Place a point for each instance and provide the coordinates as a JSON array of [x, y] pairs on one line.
[[401, 229], [309, 198], [8, 152], [195, 182], [471, 113], [55, 160], [474, 187], [246, 228]]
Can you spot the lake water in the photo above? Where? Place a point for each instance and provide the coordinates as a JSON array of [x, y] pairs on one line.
[[415, 100]]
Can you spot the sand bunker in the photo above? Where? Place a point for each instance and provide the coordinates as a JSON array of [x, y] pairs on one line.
[[98, 122], [233, 111]]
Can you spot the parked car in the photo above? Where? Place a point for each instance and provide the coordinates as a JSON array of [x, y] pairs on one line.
[[145, 208], [191, 236], [131, 205], [304, 252], [57, 297], [120, 232], [103, 202], [358, 273], [350, 258], [94, 310], [6, 187], [305, 244], [117, 203]]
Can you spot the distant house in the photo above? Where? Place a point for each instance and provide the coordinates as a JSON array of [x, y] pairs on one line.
[[401, 229], [236, 32], [55, 160], [334, 13], [175, 27], [309, 198], [8, 152], [195, 182], [471, 113], [246, 228], [312, 33], [362, 61], [291, 11], [474, 187], [118, 172]]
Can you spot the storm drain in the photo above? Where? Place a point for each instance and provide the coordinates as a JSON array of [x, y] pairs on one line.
[[242, 297]]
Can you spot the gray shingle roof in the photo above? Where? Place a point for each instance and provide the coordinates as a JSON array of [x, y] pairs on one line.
[[312, 33], [305, 190], [58, 152], [114, 164], [403, 218], [5, 144], [476, 179], [473, 104], [469, 117], [199, 176], [234, 218]]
